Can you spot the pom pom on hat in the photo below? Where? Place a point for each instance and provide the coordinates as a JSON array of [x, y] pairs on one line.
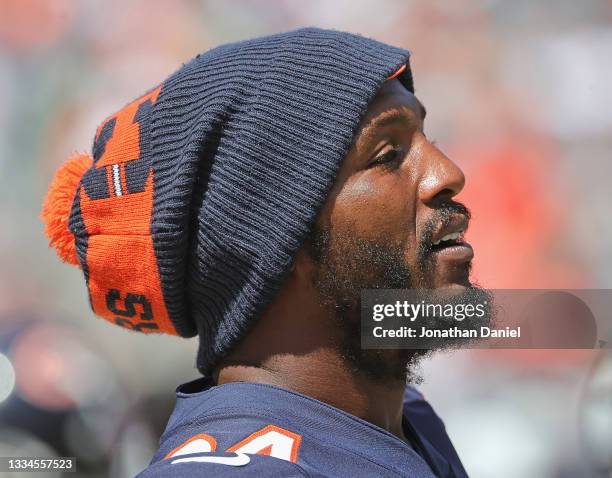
[[58, 204]]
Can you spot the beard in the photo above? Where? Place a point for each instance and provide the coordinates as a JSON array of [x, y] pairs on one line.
[[345, 264]]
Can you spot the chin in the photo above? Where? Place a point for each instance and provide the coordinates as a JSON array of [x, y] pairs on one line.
[[454, 278], [456, 285]]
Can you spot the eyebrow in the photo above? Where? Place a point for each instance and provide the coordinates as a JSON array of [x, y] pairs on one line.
[[389, 117], [395, 114]]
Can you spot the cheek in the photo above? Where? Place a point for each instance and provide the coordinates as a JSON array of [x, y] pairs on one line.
[[375, 207]]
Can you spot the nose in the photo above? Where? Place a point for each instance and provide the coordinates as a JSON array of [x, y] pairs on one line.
[[441, 178]]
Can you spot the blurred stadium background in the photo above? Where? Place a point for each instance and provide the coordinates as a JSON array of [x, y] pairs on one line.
[[516, 93]]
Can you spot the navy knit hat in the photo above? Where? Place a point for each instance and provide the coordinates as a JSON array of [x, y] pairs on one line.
[[198, 195]]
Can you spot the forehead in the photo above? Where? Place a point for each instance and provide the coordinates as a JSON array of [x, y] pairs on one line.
[[392, 97]]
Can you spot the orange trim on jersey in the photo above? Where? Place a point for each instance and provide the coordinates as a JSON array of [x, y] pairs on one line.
[[121, 260], [124, 144], [265, 451], [201, 436], [297, 439], [398, 72]]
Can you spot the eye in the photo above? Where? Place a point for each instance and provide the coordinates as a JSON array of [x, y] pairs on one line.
[[390, 157]]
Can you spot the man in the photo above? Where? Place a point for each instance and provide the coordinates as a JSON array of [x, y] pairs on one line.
[[249, 198]]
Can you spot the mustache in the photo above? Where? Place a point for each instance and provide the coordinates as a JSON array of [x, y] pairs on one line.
[[441, 218]]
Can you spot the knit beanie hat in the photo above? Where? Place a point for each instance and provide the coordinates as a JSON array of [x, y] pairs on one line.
[[187, 215]]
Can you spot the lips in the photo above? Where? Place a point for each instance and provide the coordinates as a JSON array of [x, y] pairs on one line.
[[450, 232], [447, 241]]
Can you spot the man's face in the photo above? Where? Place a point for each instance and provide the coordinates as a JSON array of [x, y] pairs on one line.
[[386, 215], [395, 188]]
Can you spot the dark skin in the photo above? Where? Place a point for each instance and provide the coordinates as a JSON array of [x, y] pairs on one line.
[[389, 186]]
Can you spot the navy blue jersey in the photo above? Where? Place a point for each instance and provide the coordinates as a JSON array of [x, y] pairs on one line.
[[249, 429]]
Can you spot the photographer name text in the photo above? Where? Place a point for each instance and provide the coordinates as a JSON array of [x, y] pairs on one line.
[[453, 332]]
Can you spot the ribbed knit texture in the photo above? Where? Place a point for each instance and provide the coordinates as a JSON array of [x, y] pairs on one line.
[[277, 114], [228, 161]]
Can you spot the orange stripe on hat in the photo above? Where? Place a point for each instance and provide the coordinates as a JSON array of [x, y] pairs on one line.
[[398, 72], [124, 283], [124, 145], [123, 275]]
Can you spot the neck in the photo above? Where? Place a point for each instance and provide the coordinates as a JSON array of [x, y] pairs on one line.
[[322, 374], [295, 345]]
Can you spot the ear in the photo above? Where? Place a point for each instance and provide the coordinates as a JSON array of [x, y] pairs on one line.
[[303, 267]]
